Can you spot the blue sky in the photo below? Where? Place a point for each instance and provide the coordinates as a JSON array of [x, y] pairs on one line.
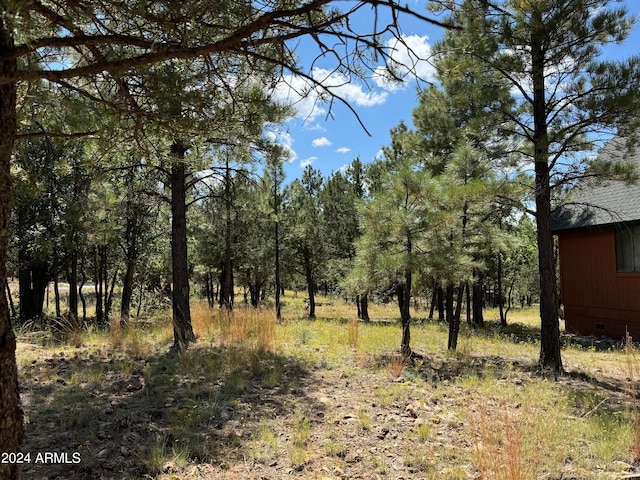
[[330, 137]]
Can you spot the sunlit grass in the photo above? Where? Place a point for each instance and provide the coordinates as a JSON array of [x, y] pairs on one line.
[[500, 398]]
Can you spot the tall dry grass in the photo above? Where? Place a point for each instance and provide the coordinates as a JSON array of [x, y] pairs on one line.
[[131, 338], [353, 333], [506, 446], [254, 328]]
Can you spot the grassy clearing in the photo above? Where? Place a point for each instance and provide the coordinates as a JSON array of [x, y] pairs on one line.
[[328, 398]]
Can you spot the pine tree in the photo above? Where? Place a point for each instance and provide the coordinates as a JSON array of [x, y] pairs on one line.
[[565, 100]]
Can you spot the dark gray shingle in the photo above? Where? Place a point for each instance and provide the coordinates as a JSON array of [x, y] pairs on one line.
[[602, 203]]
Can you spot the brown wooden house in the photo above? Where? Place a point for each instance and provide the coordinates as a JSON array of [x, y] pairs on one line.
[[598, 235]]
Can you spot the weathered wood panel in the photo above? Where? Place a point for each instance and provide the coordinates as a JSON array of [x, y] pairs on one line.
[[597, 300]]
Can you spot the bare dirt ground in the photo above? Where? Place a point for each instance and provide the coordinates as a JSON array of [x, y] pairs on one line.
[[358, 419]]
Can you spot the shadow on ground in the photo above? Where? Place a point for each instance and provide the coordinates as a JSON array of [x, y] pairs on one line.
[[130, 417]]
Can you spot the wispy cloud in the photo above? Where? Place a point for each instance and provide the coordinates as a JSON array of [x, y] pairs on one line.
[[310, 100], [285, 139], [321, 142], [307, 161], [343, 150]]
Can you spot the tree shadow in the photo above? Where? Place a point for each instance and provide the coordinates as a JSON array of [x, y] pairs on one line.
[[129, 416]]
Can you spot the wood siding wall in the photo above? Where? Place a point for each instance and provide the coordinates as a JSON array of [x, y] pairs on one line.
[[597, 300]]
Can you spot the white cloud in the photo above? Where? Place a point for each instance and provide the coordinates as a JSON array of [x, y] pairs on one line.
[[285, 140], [343, 150], [321, 142], [310, 100], [348, 89], [410, 58], [307, 161], [344, 168], [297, 92]]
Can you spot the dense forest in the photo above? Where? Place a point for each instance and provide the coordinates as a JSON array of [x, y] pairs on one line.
[[140, 170]]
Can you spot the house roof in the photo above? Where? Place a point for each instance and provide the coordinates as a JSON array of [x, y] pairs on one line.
[[598, 203]]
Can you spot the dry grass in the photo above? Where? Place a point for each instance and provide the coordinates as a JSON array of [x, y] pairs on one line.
[[495, 406], [396, 366], [507, 446], [353, 333], [251, 327]]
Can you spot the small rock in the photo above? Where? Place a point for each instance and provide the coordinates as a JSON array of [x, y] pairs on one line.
[[353, 458], [102, 453], [622, 466]]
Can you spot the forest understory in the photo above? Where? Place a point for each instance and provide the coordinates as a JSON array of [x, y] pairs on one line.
[[327, 398]]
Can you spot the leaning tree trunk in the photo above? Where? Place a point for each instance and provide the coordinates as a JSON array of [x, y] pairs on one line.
[[9, 298], [109, 299], [11, 415], [182, 329], [434, 300]]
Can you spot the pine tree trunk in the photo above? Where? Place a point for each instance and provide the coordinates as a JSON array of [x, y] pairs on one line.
[[209, 289], [454, 325], [73, 291], [449, 312], [32, 283], [228, 266], [109, 299], [182, 329], [403, 292], [311, 290], [56, 289], [127, 291], [9, 297], [277, 260], [11, 415], [503, 318], [364, 307], [477, 301], [105, 282], [468, 302], [550, 356], [434, 300], [441, 314], [549, 329], [83, 279]]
